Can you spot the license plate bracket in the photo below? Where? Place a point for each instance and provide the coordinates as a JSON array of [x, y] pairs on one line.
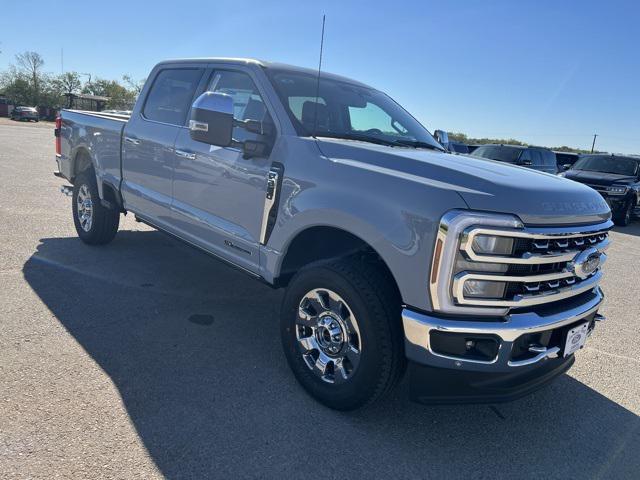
[[576, 338]]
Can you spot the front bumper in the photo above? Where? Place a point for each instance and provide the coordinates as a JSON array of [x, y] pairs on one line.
[[441, 378]]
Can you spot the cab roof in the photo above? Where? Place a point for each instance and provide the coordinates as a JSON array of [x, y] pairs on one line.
[[280, 67]]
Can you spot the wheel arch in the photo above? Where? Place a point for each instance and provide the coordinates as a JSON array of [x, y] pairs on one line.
[[335, 242], [81, 160]]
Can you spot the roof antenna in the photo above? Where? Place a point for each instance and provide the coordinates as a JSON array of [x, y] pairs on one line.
[[315, 117]]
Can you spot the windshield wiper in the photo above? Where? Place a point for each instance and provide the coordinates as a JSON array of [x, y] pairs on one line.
[[382, 141], [418, 144], [361, 138]]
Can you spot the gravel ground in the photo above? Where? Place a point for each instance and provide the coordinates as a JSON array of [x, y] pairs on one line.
[[147, 359]]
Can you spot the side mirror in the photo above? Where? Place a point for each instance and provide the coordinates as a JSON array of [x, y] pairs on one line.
[[442, 137], [566, 166], [212, 119]]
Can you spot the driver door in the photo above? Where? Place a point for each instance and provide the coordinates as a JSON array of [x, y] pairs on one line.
[[218, 195]]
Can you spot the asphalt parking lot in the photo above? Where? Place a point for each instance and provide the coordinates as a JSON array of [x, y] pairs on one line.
[[147, 359]]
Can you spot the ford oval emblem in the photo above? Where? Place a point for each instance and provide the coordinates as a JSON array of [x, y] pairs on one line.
[[585, 263]]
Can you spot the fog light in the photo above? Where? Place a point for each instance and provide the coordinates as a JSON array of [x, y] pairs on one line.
[[483, 289], [465, 346], [489, 244]]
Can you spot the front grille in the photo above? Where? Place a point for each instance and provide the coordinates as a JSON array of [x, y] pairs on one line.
[[545, 245], [541, 268]]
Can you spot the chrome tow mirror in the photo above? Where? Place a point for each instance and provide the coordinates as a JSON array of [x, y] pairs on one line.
[[212, 119]]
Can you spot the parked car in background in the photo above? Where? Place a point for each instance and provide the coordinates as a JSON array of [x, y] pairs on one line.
[[537, 158], [25, 113], [616, 178], [565, 160], [472, 148], [457, 147]]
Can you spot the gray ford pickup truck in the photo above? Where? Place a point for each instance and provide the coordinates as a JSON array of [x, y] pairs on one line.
[[478, 277]]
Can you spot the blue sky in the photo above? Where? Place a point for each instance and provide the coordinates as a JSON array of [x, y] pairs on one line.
[[546, 72]]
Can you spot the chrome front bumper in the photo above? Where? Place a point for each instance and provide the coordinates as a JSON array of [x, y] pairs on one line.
[[418, 326]]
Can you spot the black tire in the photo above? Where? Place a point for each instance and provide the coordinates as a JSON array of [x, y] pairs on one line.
[[373, 300], [104, 221], [625, 216]]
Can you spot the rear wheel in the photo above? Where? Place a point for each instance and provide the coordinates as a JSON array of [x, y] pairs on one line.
[[341, 333], [95, 223]]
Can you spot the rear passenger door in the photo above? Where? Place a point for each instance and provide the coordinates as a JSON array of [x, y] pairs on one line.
[[148, 142]]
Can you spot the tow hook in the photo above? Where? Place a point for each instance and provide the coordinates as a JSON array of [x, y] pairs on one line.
[[67, 190]]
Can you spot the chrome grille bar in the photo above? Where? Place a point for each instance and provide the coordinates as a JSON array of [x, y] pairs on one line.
[[544, 264], [554, 249], [525, 300], [599, 240]]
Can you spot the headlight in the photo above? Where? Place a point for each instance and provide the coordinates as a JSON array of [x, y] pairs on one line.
[[617, 190], [489, 244], [450, 260], [483, 289]]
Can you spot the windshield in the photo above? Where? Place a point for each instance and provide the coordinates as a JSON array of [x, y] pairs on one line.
[[349, 111], [608, 164], [500, 153]]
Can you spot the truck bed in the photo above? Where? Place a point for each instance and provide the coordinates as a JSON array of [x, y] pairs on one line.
[[99, 135]]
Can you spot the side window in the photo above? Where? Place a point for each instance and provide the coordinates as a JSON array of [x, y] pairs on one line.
[[247, 101], [171, 95], [526, 157], [484, 152], [296, 105], [549, 158], [537, 158]]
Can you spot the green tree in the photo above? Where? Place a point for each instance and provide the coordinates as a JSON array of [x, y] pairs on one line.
[[464, 138], [16, 86], [134, 86], [31, 64], [119, 96], [68, 82]]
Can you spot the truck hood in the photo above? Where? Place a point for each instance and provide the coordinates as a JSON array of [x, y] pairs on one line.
[[537, 198]]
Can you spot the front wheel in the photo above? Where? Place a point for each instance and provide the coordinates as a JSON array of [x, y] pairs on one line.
[[95, 223], [341, 333], [625, 216]]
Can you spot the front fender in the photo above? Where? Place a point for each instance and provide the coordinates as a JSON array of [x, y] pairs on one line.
[[398, 219]]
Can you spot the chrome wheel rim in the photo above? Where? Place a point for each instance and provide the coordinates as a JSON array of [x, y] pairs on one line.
[[328, 336], [84, 208]]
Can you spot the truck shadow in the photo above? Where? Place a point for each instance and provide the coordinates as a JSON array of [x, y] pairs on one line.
[[632, 229], [193, 348]]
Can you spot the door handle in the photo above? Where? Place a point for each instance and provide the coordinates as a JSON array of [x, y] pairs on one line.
[[184, 154], [132, 141]]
